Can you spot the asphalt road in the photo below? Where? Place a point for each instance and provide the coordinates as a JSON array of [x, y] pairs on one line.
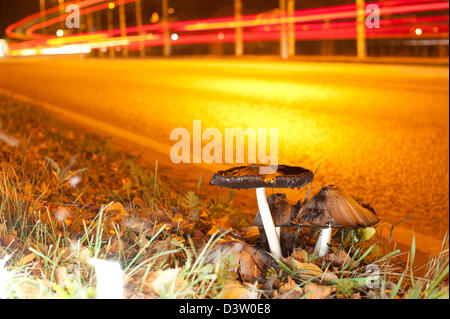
[[381, 132]]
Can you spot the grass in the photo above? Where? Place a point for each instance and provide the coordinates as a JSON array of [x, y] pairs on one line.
[[119, 209]]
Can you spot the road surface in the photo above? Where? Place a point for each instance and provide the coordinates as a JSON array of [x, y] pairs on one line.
[[381, 132]]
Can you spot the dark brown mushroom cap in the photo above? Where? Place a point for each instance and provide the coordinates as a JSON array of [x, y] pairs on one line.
[[333, 207], [280, 209], [246, 177]]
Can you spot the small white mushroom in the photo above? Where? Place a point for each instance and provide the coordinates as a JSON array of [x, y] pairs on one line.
[[109, 279], [322, 243], [332, 208]]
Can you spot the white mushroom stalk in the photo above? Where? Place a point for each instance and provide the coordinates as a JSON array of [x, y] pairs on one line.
[[268, 224], [322, 247], [109, 278]]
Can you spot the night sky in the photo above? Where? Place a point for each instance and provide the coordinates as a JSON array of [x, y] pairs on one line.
[[14, 10]]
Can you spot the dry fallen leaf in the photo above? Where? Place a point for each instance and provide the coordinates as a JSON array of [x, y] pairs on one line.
[[26, 259], [178, 219], [314, 291], [290, 290], [27, 289], [300, 255], [84, 255], [235, 290], [115, 246], [60, 276], [139, 225], [162, 280], [308, 271], [273, 282], [247, 261], [115, 208], [7, 239], [251, 234], [356, 296], [329, 276], [340, 258]]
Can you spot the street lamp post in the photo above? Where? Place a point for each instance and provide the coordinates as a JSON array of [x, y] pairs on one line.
[[361, 29], [283, 34], [291, 9], [238, 46], [42, 11], [89, 22], [139, 24], [109, 16], [61, 11], [123, 25], [165, 24]]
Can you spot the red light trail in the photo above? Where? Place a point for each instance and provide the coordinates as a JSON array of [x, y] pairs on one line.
[[337, 22]]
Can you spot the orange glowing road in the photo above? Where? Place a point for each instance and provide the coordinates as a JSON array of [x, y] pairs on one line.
[[379, 131], [338, 22]]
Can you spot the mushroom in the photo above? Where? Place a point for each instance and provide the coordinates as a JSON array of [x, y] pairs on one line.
[[258, 177], [332, 208], [281, 211]]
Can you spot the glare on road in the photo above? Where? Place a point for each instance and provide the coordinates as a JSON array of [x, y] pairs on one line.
[[381, 132]]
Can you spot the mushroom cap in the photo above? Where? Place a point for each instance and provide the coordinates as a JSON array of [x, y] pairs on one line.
[[333, 207], [247, 177], [280, 209]]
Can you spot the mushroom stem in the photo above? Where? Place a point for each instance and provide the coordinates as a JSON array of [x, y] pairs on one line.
[[322, 243], [278, 229], [268, 224]]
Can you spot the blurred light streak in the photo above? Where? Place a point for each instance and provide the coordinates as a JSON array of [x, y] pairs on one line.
[[31, 32], [68, 49], [309, 25], [77, 39], [37, 16], [3, 48]]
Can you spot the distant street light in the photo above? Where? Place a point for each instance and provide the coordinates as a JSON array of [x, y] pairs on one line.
[[155, 17]]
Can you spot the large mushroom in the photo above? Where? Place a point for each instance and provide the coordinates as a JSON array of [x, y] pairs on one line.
[[332, 208], [258, 177]]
